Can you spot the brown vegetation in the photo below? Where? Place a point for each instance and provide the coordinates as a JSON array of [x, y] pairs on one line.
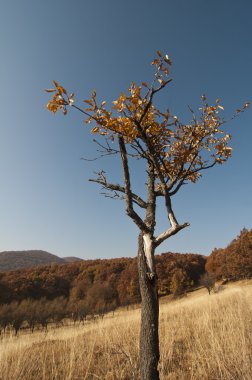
[[207, 281], [233, 262], [82, 279], [214, 341], [35, 297]]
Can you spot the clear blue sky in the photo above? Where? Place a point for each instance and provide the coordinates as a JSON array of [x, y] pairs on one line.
[[46, 201]]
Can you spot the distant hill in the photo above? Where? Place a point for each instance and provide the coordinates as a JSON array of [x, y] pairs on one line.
[[12, 260], [71, 259]]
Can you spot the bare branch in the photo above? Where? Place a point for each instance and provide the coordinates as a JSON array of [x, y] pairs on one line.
[[116, 187], [205, 167], [128, 194], [152, 93], [114, 196], [182, 182], [152, 154], [82, 111], [171, 231], [106, 150]]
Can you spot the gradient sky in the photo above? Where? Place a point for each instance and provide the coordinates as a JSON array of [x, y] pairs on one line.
[[46, 201]]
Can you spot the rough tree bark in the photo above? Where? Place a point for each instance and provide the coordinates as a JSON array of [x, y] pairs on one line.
[[149, 340]]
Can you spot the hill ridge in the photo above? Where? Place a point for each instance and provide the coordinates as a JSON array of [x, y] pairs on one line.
[[22, 259]]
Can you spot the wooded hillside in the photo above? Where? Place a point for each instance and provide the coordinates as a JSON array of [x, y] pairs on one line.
[[114, 282], [235, 261], [34, 297], [79, 279]]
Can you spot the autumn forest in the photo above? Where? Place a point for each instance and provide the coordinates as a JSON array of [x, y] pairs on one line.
[[34, 297]]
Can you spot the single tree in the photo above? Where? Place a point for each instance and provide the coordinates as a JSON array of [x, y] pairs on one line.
[[6, 311], [207, 281], [175, 154], [179, 282]]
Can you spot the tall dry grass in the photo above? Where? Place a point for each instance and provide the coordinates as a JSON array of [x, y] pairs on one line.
[[201, 337]]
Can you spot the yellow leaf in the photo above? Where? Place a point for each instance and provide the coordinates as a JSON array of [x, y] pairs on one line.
[[50, 90], [88, 102], [61, 89], [144, 84], [167, 59], [246, 105], [134, 100], [222, 108], [167, 115], [159, 53], [95, 130]]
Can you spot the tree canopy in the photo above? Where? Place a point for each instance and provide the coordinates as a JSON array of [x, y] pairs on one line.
[[177, 152]]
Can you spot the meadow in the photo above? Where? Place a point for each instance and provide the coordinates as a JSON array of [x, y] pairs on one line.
[[202, 337]]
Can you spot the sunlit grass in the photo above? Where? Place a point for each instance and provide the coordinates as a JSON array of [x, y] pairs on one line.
[[201, 337]]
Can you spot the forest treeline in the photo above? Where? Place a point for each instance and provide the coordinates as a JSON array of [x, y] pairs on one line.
[[233, 262], [87, 289], [91, 278], [37, 296], [34, 297]]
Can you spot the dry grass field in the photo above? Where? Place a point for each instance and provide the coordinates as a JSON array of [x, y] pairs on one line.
[[201, 337]]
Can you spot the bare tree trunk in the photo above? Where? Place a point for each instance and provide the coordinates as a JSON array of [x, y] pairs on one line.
[[149, 340]]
